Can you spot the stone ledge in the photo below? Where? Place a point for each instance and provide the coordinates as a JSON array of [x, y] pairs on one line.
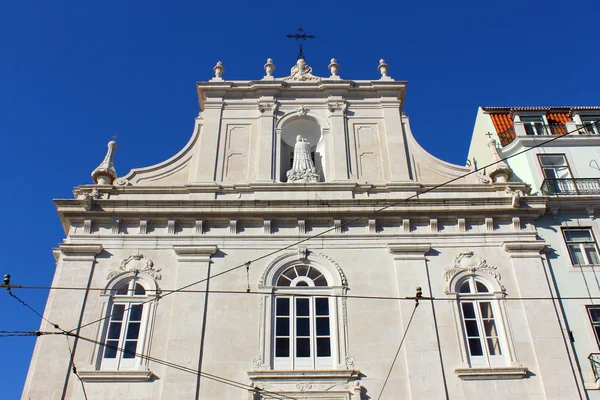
[[115, 376], [480, 374], [293, 375]]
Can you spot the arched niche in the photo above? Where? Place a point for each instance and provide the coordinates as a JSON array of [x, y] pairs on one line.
[[310, 129]]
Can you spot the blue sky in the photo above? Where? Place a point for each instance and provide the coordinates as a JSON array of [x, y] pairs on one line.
[[74, 73]]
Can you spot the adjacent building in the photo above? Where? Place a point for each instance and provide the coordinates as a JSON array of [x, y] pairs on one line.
[[300, 246], [556, 150]]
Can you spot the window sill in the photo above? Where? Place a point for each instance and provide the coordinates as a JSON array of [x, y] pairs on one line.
[[479, 374], [115, 376], [312, 374]]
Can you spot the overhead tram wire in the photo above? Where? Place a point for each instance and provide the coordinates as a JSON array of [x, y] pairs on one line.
[[352, 220], [399, 347], [183, 368], [56, 326], [346, 296]]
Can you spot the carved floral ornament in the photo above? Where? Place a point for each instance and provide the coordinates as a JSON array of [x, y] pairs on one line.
[[467, 261], [135, 264]]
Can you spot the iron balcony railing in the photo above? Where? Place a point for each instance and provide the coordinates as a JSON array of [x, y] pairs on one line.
[[595, 362], [570, 186]]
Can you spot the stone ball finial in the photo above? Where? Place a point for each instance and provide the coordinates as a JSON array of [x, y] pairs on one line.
[[105, 173], [218, 70], [334, 67], [383, 68], [269, 67]]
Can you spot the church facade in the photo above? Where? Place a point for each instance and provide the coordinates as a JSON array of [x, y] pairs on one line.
[[302, 245]]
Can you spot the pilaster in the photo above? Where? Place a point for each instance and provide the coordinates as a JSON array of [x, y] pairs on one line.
[[184, 347], [425, 379], [75, 267], [338, 141], [208, 147], [266, 142], [545, 332], [395, 152]]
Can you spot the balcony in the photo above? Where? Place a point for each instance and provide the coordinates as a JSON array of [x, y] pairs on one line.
[[595, 362], [570, 186]]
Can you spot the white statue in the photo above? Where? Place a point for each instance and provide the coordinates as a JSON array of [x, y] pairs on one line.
[[303, 168]]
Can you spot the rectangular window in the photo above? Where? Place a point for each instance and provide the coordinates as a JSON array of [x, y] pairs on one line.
[[590, 125], [582, 246], [302, 332], [535, 125], [594, 313]]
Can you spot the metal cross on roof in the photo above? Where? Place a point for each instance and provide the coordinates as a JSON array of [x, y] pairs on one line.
[[489, 135], [300, 35]]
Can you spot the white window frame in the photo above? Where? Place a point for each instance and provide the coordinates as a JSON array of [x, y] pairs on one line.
[[545, 167], [589, 124], [533, 125], [581, 245], [477, 299], [335, 292], [109, 298]]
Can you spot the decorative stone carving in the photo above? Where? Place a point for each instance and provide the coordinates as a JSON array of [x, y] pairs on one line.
[[301, 111], [269, 68], [105, 173], [301, 72], [337, 266], [121, 182], [383, 70], [89, 197], [267, 108], [500, 171], [334, 68], [337, 108], [218, 70], [303, 168], [516, 196], [350, 362], [135, 264], [302, 253], [468, 261]]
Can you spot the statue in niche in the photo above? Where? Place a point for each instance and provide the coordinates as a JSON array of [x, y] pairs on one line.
[[303, 168]]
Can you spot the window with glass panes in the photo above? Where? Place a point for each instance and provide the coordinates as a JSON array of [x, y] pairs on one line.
[[478, 313], [590, 124], [582, 246], [534, 125], [302, 329], [125, 326], [594, 313]]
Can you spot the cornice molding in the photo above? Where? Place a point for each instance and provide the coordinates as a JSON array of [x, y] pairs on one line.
[[524, 249], [80, 252], [404, 251], [194, 253]]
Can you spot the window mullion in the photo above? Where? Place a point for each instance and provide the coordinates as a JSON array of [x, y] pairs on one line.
[[482, 333]]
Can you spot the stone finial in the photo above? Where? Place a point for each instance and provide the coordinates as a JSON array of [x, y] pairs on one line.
[[218, 70], [383, 69], [105, 173], [269, 67], [499, 172], [334, 68]]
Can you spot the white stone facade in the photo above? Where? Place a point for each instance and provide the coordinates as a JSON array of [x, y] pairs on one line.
[[224, 200]]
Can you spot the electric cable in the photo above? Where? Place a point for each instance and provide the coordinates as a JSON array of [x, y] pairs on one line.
[[182, 368], [416, 195], [347, 296], [398, 351], [74, 369]]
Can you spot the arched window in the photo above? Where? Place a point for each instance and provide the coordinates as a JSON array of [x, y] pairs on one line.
[[303, 322], [126, 325], [481, 322]]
